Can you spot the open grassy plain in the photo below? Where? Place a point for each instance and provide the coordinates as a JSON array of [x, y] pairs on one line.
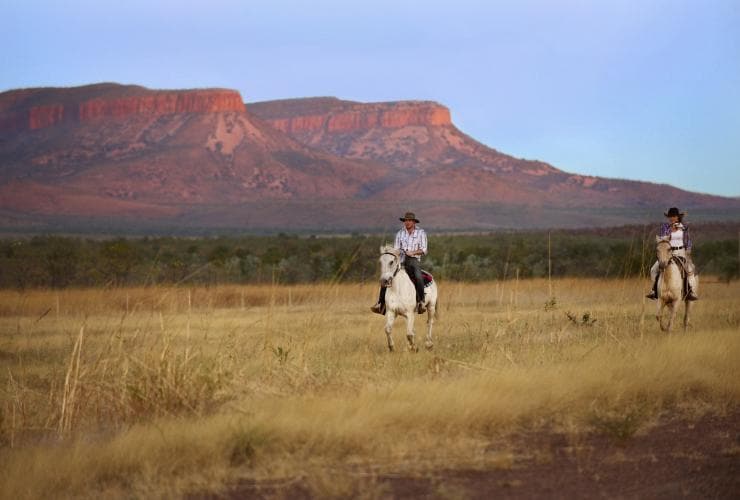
[[276, 390]]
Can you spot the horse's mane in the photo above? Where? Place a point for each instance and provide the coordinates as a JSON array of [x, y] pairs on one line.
[[388, 249]]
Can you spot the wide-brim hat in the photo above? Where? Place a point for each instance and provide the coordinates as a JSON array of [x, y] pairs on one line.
[[673, 211], [409, 216]]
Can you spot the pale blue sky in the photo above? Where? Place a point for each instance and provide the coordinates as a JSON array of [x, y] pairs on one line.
[[646, 90]]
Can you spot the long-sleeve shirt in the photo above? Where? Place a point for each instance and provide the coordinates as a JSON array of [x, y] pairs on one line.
[[410, 242], [665, 230]]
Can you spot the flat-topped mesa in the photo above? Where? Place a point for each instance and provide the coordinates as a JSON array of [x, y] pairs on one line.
[[331, 115], [31, 109]]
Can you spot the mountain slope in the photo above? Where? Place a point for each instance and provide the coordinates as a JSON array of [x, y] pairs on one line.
[[135, 158], [440, 162], [121, 157]]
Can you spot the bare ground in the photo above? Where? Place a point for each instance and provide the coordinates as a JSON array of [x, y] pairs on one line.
[[677, 458]]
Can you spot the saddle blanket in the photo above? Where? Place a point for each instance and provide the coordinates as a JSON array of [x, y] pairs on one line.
[[428, 278]]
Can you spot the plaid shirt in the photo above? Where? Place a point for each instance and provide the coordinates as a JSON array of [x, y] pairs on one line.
[[665, 230], [417, 240]]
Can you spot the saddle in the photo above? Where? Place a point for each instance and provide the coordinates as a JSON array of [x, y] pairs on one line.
[[428, 278]]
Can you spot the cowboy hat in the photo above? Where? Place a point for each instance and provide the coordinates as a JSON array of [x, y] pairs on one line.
[[409, 216], [673, 211]]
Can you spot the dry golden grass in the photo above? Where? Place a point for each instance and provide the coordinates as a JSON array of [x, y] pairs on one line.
[[164, 391]]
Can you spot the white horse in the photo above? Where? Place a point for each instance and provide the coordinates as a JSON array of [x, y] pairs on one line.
[[400, 297], [670, 285]]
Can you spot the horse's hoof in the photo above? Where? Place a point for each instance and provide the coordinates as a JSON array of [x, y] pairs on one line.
[[390, 348], [429, 346]]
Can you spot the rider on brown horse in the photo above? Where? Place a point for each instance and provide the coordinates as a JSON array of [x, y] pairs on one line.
[[681, 243]]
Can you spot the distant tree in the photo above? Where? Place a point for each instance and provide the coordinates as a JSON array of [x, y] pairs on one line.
[[118, 258], [60, 260]]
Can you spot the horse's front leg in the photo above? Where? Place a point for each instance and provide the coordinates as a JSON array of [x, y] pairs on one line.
[[659, 313], [390, 317], [672, 308], [410, 330]]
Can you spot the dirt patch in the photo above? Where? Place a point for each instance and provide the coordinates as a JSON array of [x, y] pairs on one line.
[[675, 459]]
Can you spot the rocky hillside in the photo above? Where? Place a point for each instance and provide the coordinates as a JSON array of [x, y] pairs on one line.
[[127, 151], [33, 109], [441, 162], [116, 157]]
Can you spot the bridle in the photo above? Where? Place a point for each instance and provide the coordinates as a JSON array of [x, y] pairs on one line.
[[664, 264], [398, 265]]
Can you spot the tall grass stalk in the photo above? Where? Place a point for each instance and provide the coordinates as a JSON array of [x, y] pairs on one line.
[[71, 382]]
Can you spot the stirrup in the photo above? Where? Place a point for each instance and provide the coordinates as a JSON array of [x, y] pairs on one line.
[[420, 307], [692, 296], [652, 295]]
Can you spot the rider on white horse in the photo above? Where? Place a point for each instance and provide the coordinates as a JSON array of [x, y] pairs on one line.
[[681, 247], [412, 241]]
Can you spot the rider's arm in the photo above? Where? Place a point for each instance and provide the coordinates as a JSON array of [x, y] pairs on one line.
[[687, 243], [423, 243]]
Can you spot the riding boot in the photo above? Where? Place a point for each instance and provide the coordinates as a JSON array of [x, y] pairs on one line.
[[379, 307], [653, 295], [420, 308], [691, 293]]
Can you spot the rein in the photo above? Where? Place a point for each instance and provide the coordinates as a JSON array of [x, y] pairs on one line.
[[398, 265], [679, 261]]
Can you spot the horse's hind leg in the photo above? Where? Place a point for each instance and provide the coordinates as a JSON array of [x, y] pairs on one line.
[[389, 319], [686, 315], [431, 311], [659, 314]]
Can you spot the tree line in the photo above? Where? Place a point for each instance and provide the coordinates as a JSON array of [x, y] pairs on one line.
[[59, 261]]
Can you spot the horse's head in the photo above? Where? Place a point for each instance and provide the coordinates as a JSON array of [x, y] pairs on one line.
[[663, 250], [390, 263]]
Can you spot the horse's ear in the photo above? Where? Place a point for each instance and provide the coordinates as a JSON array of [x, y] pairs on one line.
[[658, 239]]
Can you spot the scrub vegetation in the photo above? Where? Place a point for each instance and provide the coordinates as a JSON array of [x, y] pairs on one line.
[[60, 262]]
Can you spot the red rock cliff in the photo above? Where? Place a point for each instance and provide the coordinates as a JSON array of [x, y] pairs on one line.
[[31, 109], [295, 116]]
